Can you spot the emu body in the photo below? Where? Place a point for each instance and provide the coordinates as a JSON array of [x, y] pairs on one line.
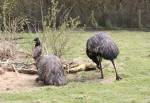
[[50, 68], [101, 46]]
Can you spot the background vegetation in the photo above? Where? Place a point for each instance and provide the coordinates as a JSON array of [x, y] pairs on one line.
[[92, 14]]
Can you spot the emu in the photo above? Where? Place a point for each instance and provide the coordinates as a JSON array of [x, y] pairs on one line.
[[101, 46], [50, 68]]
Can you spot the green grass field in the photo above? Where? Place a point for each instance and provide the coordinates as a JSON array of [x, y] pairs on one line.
[[133, 88]]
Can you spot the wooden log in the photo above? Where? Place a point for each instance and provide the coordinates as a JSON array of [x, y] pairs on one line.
[[28, 71], [82, 67]]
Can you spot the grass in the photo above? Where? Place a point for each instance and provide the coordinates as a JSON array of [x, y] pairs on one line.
[[133, 88]]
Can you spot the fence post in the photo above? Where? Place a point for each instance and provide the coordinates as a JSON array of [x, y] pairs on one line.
[[140, 26]]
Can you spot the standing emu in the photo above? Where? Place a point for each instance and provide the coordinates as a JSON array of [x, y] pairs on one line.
[[50, 68], [102, 46]]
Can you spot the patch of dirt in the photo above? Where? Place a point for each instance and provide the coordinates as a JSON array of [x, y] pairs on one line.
[[20, 81], [14, 81]]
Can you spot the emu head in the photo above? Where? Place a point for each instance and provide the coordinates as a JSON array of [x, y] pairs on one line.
[[37, 41], [37, 51]]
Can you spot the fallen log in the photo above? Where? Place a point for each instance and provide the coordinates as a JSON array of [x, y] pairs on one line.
[[82, 67], [28, 71]]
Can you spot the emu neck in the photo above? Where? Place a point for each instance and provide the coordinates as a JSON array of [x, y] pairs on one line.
[[37, 59]]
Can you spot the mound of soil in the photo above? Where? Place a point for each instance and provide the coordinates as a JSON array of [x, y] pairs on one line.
[[13, 81], [19, 81]]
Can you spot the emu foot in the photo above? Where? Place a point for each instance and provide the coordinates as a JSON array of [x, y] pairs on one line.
[[118, 78]]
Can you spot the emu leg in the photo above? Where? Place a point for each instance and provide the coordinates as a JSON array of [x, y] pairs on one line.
[[100, 68], [117, 76]]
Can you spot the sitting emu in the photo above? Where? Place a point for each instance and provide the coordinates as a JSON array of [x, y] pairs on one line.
[[50, 68], [102, 46]]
